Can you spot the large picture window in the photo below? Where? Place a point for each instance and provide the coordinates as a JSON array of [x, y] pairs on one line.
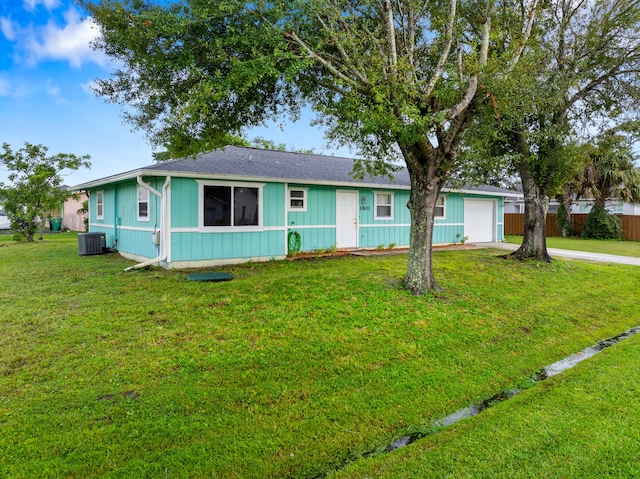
[[231, 205]]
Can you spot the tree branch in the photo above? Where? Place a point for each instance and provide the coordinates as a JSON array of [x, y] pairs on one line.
[[333, 70], [473, 81], [437, 73], [391, 35]]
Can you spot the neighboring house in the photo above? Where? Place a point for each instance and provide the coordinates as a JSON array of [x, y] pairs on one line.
[[71, 219], [238, 204], [5, 224], [615, 206]]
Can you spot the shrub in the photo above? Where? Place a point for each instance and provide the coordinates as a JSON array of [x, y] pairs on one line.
[[563, 221], [602, 225]]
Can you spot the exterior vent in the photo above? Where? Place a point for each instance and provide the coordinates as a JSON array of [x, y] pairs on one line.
[[91, 243]]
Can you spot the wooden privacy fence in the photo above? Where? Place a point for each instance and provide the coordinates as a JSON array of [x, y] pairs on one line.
[[514, 225]]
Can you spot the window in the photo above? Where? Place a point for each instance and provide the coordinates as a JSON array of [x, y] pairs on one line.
[[143, 204], [231, 205], [384, 206], [439, 211], [100, 205], [298, 199]]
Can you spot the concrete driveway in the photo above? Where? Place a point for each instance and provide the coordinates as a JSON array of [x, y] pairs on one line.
[[565, 253]]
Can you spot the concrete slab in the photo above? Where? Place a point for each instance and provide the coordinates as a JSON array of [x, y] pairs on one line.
[[565, 253]]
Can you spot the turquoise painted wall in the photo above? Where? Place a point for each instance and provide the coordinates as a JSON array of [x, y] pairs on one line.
[[121, 217], [189, 246], [316, 225], [321, 207], [195, 246]]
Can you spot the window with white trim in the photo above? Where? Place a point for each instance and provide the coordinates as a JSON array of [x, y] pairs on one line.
[[231, 205], [99, 205], [383, 207], [439, 212], [298, 199], [143, 204]]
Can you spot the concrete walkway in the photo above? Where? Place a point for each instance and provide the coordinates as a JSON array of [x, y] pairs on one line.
[[565, 253]]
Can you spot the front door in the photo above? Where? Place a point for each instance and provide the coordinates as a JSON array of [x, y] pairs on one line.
[[346, 219]]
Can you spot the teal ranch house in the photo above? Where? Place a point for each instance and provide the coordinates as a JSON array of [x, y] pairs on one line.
[[238, 204]]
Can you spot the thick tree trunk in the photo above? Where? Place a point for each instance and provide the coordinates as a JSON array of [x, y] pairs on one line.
[[424, 195], [536, 204]]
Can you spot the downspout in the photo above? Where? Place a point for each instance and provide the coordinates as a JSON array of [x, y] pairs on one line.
[[163, 222]]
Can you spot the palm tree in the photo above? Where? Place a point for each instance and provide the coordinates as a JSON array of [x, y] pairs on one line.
[[611, 172]]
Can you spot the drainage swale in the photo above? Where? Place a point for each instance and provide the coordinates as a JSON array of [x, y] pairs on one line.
[[476, 408]]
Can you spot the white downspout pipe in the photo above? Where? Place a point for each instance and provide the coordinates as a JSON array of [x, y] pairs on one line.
[[163, 222]]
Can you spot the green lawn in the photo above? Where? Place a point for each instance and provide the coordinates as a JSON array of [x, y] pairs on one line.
[[290, 370], [581, 424], [623, 248]]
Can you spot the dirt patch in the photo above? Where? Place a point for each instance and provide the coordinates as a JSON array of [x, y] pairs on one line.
[[306, 255], [381, 252]]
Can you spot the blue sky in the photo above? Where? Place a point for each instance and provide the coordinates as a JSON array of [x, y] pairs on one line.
[[46, 69]]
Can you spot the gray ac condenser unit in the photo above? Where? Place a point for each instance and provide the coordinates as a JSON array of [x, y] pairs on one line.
[[91, 243]]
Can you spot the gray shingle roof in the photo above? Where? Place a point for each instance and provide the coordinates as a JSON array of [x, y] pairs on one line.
[[245, 162], [259, 163]]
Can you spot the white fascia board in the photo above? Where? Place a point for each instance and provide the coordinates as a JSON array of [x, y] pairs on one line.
[[129, 175], [481, 192]]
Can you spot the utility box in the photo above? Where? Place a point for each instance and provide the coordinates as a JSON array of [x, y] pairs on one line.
[[91, 243], [155, 237]]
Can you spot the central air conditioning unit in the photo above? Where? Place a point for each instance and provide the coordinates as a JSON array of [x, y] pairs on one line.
[[92, 243]]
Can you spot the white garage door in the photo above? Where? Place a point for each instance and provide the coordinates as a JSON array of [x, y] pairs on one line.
[[479, 220]]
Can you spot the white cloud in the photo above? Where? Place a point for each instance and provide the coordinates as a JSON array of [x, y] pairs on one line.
[[48, 4], [53, 90], [72, 42], [5, 86], [89, 87], [7, 28]]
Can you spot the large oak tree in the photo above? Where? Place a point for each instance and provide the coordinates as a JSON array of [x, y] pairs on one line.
[[579, 76], [390, 77]]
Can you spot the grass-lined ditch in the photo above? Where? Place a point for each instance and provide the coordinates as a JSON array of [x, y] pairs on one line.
[[289, 370]]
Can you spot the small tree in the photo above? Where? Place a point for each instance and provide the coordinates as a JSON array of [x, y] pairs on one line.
[[602, 225], [84, 212], [35, 185]]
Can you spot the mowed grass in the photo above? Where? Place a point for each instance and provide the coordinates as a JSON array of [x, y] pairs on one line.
[[581, 424], [292, 369], [622, 248]]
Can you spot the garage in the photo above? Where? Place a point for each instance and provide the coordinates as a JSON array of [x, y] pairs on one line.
[[479, 220]]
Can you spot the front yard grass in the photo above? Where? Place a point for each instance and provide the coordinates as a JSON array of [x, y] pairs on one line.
[[583, 423], [292, 369], [622, 248]]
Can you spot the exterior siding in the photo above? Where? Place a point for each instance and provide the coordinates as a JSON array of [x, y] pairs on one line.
[[225, 246], [190, 246]]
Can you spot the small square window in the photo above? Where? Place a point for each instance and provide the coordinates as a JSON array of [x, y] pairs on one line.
[[384, 206], [439, 211], [100, 205], [298, 199], [143, 204]]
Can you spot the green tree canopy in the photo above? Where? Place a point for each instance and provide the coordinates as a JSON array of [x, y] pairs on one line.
[[34, 188], [578, 76], [391, 78]]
